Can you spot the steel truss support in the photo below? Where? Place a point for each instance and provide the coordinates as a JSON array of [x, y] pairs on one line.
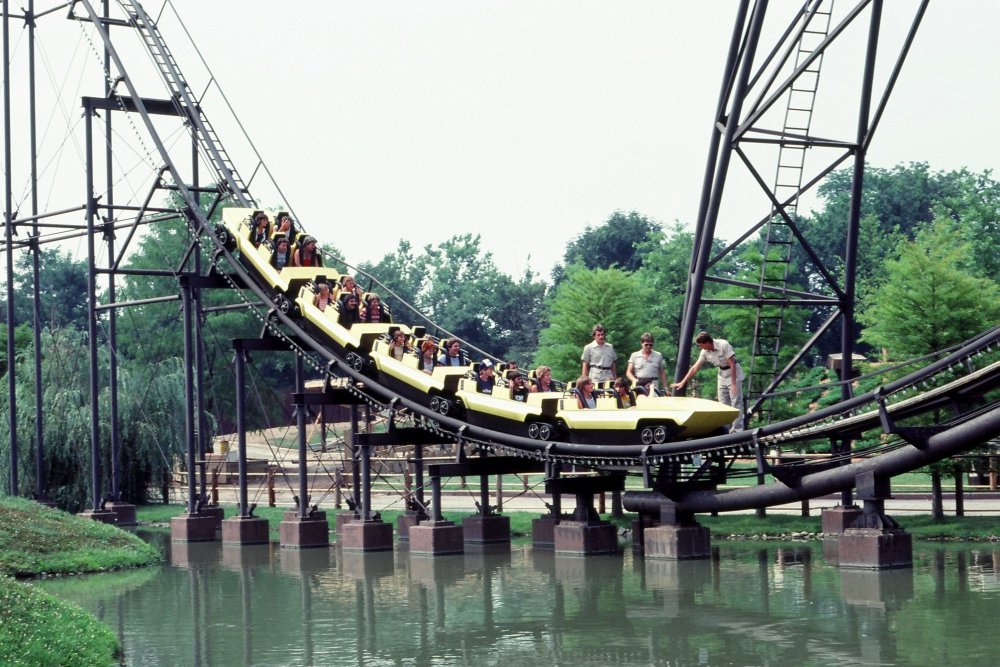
[[750, 90]]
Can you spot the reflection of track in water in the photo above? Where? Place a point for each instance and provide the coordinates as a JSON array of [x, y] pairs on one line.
[[685, 464]]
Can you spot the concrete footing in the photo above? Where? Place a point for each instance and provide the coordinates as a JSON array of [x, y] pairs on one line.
[[367, 536], [492, 529], [581, 538], [875, 549], [342, 519], [408, 520], [192, 528], [543, 532], [216, 512], [245, 530], [310, 533], [836, 520], [104, 516], [436, 538], [678, 542], [124, 513]]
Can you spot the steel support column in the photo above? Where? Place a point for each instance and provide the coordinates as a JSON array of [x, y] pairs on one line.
[[9, 254], [300, 423], [41, 488], [193, 504], [241, 430], [713, 188], [854, 221], [95, 432]]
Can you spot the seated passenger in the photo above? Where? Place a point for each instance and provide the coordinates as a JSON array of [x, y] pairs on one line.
[[398, 346], [307, 254], [349, 310], [347, 284], [286, 226], [323, 296], [623, 392], [452, 355], [585, 393], [485, 381], [518, 387], [543, 380], [261, 229], [281, 257], [426, 363], [375, 311]]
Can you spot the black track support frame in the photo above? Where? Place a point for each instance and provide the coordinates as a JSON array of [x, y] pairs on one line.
[[748, 91]]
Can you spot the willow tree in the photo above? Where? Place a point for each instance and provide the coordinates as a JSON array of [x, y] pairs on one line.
[[151, 420]]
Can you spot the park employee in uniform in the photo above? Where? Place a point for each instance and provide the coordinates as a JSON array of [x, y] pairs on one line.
[[599, 357], [720, 354]]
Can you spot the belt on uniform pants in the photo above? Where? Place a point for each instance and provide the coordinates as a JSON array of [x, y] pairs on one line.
[[603, 368]]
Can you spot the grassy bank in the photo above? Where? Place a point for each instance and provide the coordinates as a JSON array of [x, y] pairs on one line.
[[36, 540], [36, 628], [743, 526], [39, 629]]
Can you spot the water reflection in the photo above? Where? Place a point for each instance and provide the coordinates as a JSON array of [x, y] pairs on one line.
[[215, 605]]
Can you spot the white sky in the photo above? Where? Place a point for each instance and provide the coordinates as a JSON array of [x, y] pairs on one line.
[[525, 121]]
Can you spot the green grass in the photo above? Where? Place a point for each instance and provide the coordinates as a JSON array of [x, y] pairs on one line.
[[35, 540], [39, 629]]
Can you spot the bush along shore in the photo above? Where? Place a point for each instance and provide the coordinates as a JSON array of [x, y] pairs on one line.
[[36, 541]]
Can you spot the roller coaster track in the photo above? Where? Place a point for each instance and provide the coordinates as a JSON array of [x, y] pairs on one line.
[[953, 379]]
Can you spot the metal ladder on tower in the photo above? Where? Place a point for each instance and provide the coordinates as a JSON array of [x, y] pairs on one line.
[[779, 239], [208, 139]]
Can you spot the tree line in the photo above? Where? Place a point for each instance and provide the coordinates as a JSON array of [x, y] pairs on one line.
[[928, 277]]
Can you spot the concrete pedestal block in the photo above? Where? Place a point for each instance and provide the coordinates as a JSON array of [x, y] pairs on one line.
[[639, 535], [831, 550], [367, 536], [216, 512], [585, 539], [543, 532], [836, 520], [341, 520], [125, 514], [408, 520], [678, 542], [245, 530], [436, 538], [192, 528], [875, 549], [494, 529], [309, 533], [104, 516]]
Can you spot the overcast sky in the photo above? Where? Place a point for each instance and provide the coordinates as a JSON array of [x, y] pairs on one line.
[[526, 121]]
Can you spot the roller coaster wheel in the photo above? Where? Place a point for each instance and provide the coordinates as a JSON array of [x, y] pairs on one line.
[[225, 237], [647, 435], [284, 303], [659, 435], [356, 361], [435, 402], [544, 431], [444, 407], [533, 430]]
